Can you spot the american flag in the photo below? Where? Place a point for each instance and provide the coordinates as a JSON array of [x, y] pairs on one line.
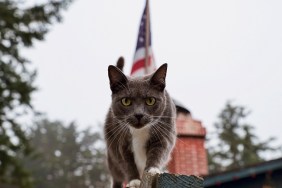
[[140, 66]]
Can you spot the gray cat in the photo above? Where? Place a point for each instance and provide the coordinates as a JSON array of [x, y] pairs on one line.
[[140, 126]]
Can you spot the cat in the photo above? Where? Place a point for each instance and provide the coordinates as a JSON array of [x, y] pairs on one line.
[[140, 128]]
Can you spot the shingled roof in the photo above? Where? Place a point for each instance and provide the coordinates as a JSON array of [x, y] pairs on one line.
[[180, 107], [238, 174]]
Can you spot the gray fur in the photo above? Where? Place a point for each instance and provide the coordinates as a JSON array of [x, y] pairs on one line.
[[121, 120]]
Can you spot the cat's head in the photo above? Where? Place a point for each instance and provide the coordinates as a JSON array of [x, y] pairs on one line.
[[140, 101]]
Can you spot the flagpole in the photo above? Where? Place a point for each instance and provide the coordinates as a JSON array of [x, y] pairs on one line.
[[147, 34]]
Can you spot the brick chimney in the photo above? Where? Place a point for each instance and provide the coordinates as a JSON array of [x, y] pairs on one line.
[[189, 155]]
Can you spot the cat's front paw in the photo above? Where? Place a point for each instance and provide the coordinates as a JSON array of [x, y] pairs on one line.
[[134, 184], [154, 170]]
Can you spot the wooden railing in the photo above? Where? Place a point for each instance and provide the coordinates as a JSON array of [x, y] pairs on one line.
[[167, 180]]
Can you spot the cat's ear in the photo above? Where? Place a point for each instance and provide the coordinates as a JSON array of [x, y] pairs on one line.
[[118, 80], [120, 63], [158, 78]]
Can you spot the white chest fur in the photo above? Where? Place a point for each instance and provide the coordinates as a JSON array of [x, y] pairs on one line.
[[139, 140]]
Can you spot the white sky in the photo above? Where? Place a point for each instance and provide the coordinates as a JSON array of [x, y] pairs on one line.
[[216, 51]]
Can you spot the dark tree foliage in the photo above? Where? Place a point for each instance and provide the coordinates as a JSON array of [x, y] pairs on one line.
[[67, 157], [237, 144], [20, 26]]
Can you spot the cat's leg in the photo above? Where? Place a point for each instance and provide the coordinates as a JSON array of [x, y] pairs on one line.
[[154, 170], [157, 156], [117, 175], [134, 184], [130, 168], [117, 184]]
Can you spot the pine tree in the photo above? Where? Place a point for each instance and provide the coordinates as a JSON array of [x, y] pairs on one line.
[[20, 26], [237, 145], [67, 157]]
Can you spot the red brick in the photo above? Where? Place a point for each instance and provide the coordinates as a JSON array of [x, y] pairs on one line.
[[189, 155]]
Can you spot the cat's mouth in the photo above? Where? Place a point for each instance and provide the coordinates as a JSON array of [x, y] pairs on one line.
[[138, 125]]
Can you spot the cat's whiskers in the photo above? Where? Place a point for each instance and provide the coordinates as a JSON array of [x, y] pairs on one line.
[[122, 135], [164, 123], [113, 134], [156, 132], [116, 133], [114, 129], [125, 131], [116, 120], [113, 139], [112, 123], [164, 117], [163, 130]]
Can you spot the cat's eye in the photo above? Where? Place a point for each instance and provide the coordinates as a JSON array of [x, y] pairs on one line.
[[150, 101], [126, 101]]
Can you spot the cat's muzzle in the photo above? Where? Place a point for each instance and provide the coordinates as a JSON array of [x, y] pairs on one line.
[[138, 121]]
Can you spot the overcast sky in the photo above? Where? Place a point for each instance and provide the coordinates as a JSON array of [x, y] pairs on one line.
[[216, 51]]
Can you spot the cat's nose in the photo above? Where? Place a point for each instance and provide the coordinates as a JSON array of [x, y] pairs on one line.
[[138, 116]]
